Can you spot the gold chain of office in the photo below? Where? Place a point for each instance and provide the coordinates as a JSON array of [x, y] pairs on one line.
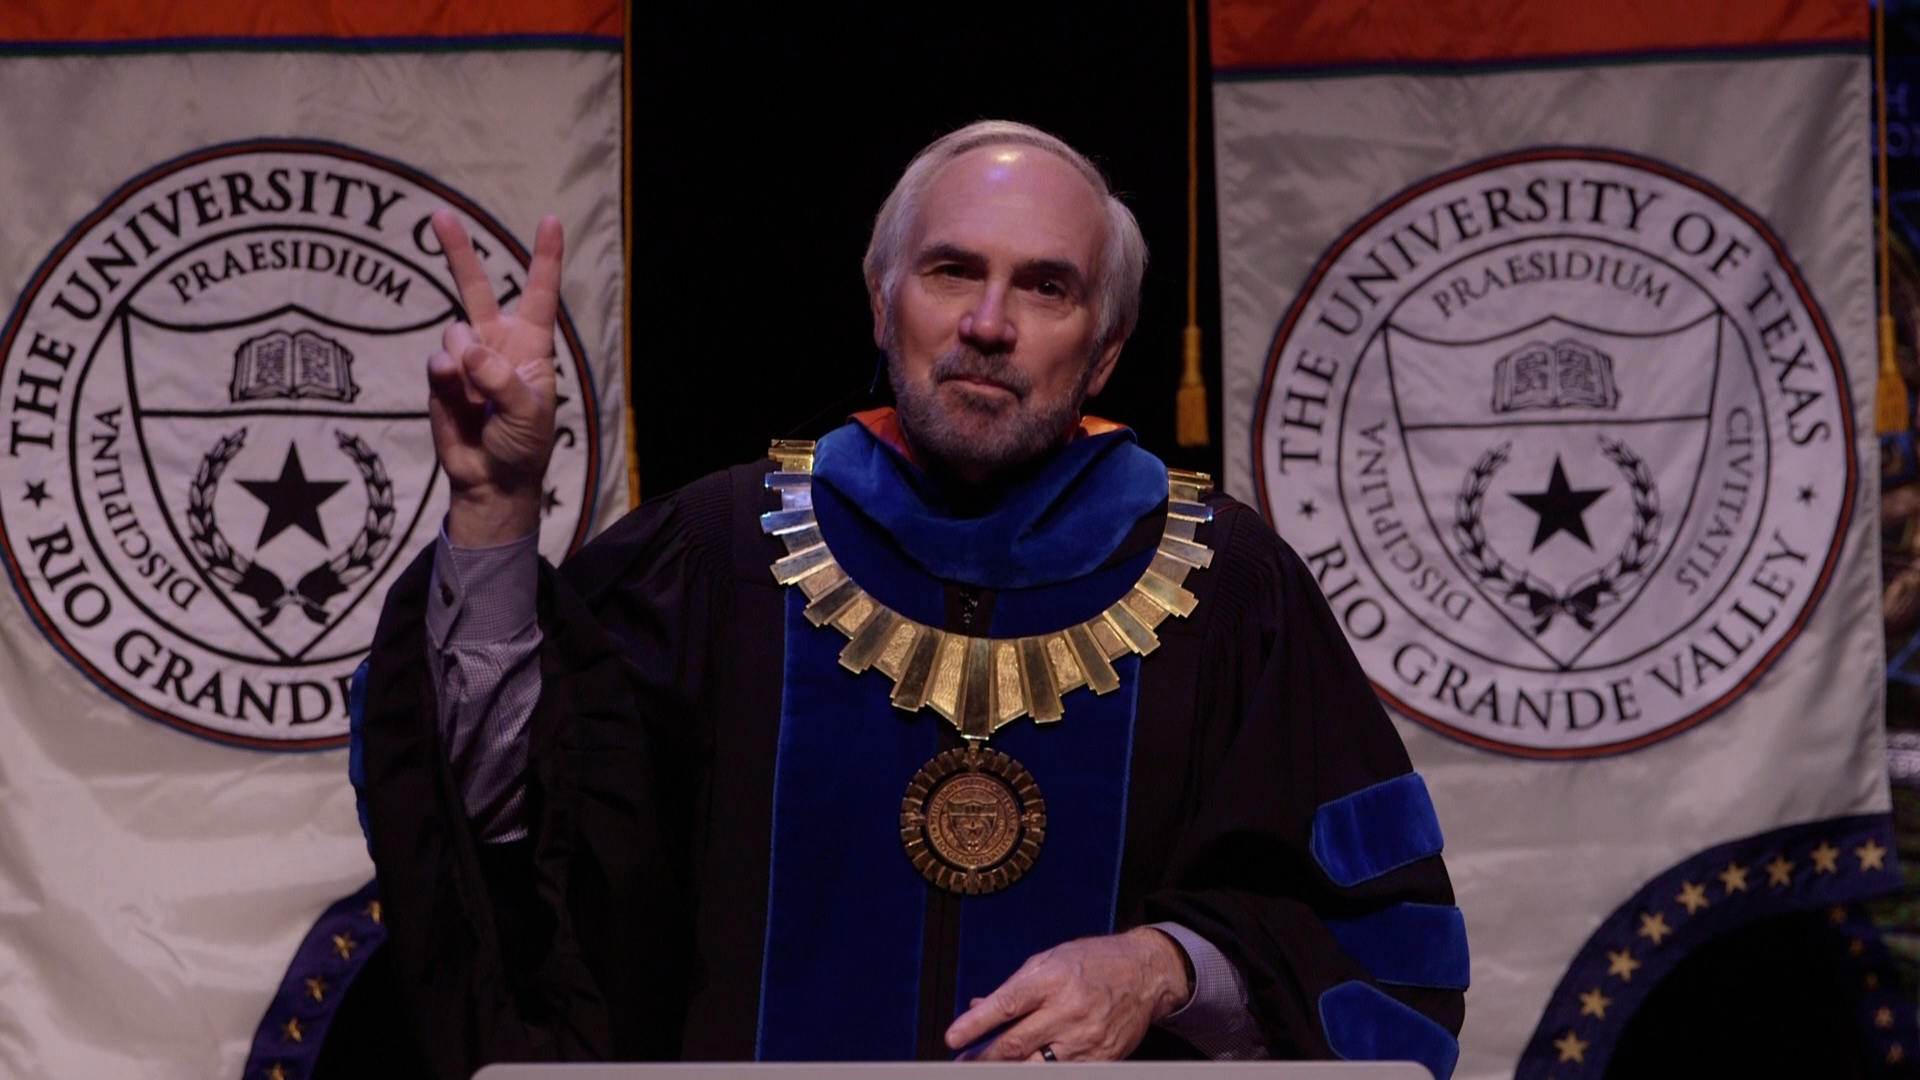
[[972, 819]]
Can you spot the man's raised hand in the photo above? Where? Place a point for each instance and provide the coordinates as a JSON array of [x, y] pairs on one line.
[[492, 392]]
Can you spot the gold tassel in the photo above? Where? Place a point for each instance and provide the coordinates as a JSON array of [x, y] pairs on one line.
[[1890, 406], [1890, 400], [1191, 403]]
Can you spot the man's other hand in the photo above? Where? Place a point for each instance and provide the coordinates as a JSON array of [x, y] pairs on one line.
[[492, 392], [1087, 1000]]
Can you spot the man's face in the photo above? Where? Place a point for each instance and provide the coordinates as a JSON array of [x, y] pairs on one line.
[[990, 333]]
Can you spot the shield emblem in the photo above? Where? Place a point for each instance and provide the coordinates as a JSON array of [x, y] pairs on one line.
[[290, 458], [1558, 489], [973, 824]]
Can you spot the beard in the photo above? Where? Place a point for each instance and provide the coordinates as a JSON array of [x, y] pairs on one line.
[[971, 435]]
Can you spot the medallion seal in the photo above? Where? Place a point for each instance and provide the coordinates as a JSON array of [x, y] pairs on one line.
[[973, 821]]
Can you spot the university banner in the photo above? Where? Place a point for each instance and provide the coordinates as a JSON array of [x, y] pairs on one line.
[[1548, 329], [220, 290]]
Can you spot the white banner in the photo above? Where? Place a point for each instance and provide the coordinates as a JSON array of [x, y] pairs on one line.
[[222, 294], [1551, 372]]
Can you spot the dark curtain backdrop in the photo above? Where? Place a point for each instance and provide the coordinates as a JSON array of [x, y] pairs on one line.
[[765, 137]]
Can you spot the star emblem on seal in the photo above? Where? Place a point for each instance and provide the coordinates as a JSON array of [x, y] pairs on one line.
[[1561, 507], [292, 500]]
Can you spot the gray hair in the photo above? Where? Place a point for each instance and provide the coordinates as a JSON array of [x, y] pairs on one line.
[[1123, 263]]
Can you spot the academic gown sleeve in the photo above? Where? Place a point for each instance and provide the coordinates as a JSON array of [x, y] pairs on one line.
[[1311, 858], [571, 944]]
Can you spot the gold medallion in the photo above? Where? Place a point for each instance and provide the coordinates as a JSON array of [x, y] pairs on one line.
[[973, 820]]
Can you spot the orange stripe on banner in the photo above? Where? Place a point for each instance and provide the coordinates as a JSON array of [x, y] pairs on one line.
[[145, 20], [1264, 34]]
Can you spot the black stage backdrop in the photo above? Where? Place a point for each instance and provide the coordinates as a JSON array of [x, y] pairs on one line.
[[765, 137]]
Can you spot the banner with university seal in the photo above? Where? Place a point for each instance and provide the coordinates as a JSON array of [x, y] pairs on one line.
[[1546, 333], [219, 292]]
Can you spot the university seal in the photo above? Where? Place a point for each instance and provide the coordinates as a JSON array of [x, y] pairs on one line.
[[217, 453], [1567, 444], [972, 821]]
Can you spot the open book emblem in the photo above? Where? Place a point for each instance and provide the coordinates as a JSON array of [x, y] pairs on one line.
[[1566, 374], [303, 364]]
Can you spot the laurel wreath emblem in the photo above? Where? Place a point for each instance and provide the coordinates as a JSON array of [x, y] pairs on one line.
[[317, 586], [1518, 586]]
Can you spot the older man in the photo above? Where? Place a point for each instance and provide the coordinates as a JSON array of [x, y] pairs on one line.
[[971, 729]]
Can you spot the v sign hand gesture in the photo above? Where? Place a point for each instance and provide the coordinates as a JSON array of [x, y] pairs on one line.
[[492, 392]]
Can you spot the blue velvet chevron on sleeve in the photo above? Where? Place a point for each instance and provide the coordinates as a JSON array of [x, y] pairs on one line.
[[1376, 830], [1364, 1024], [1409, 945]]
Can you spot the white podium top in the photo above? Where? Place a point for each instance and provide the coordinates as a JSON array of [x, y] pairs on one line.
[[941, 1070]]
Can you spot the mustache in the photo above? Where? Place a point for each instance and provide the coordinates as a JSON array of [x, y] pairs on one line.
[[963, 362]]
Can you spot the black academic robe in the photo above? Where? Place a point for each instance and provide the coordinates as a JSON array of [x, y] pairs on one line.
[[630, 925]]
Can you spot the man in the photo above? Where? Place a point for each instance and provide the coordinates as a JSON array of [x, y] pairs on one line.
[[970, 730]]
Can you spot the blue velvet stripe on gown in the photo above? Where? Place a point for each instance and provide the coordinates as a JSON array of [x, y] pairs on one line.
[[845, 906], [841, 975]]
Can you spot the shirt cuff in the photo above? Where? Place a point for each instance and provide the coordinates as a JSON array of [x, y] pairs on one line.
[[483, 595], [1219, 992]]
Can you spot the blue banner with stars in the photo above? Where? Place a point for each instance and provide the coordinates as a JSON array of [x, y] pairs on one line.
[[1825, 865], [287, 1045]]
